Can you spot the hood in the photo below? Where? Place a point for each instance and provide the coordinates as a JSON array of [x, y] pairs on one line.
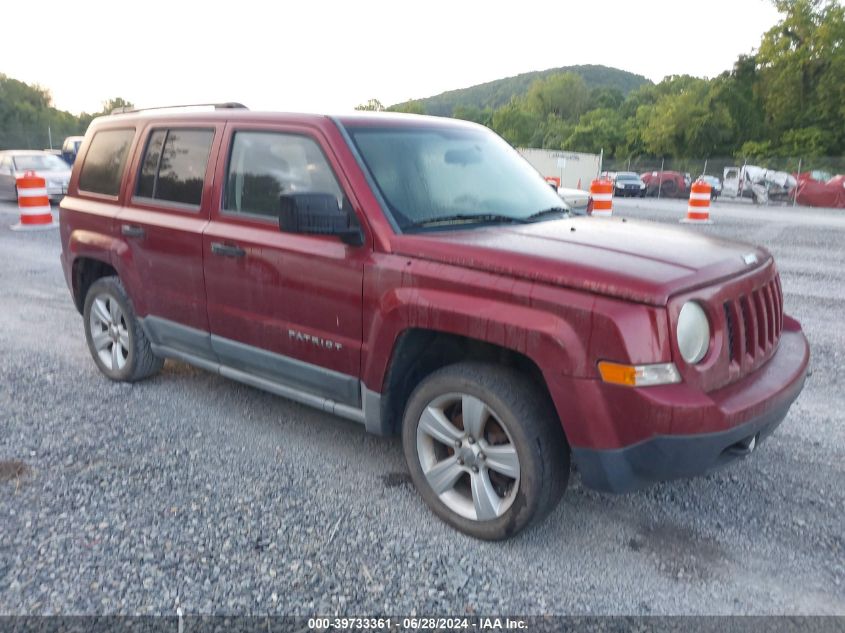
[[633, 260]]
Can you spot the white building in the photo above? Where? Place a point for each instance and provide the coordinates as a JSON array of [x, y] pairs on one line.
[[569, 169]]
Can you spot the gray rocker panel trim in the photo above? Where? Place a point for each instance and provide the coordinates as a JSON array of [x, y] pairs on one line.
[[312, 385], [289, 371]]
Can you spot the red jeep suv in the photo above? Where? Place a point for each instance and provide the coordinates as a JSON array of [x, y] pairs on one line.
[[416, 275]]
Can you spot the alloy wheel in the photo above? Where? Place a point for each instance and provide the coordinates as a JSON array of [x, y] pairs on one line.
[[109, 332], [467, 456]]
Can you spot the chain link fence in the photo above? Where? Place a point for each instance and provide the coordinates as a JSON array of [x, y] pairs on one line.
[[715, 166], [811, 181], [37, 136]]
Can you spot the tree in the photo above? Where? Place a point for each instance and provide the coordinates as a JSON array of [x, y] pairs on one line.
[[564, 95], [736, 90], [474, 114], [108, 106], [372, 105], [408, 107], [597, 130], [801, 63], [517, 125], [29, 121], [606, 98]]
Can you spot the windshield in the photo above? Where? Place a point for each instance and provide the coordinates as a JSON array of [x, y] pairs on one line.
[[458, 175], [627, 177], [40, 162]]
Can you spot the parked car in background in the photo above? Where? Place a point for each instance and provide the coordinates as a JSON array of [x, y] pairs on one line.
[[16, 162], [70, 148], [577, 200], [813, 193], [759, 184], [817, 175], [628, 184], [715, 185], [669, 184]]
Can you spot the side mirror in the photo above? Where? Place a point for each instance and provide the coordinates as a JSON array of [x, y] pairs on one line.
[[319, 214]]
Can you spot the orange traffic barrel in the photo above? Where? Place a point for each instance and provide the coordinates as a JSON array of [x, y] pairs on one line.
[[601, 192], [33, 203], [698, 211]]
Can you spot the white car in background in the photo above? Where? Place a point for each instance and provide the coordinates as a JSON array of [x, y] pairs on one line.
[[715, 185], [16, 162], [576, 199]]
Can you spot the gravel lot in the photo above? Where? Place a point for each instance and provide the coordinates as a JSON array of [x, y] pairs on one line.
[[191, 490]]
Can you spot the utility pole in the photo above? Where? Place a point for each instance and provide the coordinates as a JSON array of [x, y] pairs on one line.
[[660, 178], [795, 193]]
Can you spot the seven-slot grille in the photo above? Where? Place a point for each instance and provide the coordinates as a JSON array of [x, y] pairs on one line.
[[754, 323]]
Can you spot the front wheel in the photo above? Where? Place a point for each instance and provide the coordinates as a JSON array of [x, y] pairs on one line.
[[485, 449]]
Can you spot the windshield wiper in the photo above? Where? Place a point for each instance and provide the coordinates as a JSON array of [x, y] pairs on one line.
[[550, 211], [465, 218]]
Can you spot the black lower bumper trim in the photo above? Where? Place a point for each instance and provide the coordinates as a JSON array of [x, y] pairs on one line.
[[672, 457]]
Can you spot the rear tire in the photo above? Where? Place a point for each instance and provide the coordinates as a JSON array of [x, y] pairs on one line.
[[485, 449], [115, 337]]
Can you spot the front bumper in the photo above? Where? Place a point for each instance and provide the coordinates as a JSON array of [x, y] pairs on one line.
[[697, 432], [56, 192]]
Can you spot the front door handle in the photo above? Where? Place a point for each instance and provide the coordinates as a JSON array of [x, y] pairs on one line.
[[130, 230], [227, 250]]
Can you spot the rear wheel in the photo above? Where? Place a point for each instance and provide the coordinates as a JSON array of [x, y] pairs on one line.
[[485, 449], [115, 338]]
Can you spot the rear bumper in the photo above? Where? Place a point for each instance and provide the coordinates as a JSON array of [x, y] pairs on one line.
[[722, 426]]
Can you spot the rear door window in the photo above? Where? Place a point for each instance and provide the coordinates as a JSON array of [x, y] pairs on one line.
[[105, 160], [174, 165]]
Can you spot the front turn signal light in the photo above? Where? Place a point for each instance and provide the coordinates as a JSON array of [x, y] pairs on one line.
[[639, 375]]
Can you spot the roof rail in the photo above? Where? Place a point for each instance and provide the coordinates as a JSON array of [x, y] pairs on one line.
[[228, 105]]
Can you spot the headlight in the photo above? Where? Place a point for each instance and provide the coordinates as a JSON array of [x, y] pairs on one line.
[[642, 185], [693, 332]]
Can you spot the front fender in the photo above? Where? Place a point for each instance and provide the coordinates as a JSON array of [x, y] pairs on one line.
[[422, 295], [564, 332]]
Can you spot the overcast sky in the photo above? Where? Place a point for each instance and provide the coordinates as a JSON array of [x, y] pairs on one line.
[[331, 56]]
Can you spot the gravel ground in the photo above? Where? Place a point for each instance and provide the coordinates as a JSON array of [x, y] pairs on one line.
[[191, 490]]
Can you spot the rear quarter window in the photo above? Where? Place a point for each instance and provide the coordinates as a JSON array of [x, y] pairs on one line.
[[105, 161]]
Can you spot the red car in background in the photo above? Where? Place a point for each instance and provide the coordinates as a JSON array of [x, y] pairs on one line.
[[667, 184], [812, 192]]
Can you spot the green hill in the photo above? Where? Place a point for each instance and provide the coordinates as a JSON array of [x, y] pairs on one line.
[[494, 94]]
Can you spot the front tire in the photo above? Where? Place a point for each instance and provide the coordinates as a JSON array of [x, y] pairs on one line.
[[485, 449], [115, 338]]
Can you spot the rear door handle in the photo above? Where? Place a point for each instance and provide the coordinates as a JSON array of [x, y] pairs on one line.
[[227, 250], [130, 230]]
